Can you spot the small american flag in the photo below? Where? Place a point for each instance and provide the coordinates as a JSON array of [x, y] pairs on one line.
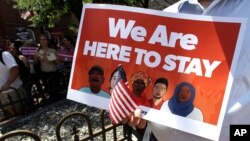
[[122, 102]]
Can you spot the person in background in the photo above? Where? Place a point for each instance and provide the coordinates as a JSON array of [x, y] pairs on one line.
[[68, 43], [47, 56], [14, 50], [48, 59], [239, 101], [65, 54], [22, 62], [9, 78]]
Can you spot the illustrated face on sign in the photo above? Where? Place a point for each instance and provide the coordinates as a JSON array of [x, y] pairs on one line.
[[96, 79], [140, 80], [159, 90], [113, 80], [184, 94], [138, 87]]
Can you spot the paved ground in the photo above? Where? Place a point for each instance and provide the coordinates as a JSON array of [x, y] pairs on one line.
[[45, 119]]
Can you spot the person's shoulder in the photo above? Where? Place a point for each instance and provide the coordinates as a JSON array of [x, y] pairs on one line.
[[6, 53], [174, 7], [164, 106], [197, 110], [84, 89], [165, 102], [196, 114], [104, 94], [7, 57]]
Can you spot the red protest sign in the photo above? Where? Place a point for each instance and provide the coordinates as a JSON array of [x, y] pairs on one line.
[[194, 49]]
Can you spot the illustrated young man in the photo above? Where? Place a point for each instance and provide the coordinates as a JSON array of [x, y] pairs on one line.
[[159, 90]]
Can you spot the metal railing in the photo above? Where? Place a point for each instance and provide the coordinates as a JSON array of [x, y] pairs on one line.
[[22, 133], [99, 131], [91, 133]]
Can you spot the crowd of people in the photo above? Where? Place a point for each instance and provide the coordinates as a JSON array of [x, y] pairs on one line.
[[23, 64]]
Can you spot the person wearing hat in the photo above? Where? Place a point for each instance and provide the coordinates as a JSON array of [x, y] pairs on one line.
[[140, 80], [96, 79]]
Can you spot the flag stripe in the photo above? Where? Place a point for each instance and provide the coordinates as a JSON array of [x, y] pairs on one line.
[[117, 105], [114, 115], [121, 104], [127, 95], [125, 101], [118, 115], [118, 99]]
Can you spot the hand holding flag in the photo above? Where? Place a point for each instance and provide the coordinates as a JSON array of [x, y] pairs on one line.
[[121, 104]]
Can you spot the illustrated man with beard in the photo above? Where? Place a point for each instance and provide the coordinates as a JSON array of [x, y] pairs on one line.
[[96, 79]]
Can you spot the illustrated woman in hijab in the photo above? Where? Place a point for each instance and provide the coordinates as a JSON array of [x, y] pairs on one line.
[[181, 102]]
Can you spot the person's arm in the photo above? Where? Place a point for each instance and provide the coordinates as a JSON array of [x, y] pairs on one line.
[[14, 73], [36, 57], [13, 68], [133, 119], [55, 57], [142, 124], [24, 60], [174, 8], [57, 61]]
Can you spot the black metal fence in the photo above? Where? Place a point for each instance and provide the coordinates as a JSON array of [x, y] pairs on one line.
[[91, 133], [37, 96]]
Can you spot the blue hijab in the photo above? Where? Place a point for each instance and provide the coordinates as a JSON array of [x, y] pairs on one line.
[[182, 108]]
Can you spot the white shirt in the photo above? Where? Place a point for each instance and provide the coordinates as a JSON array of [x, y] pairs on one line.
[[196, 114], [5, 70], [239, 102]]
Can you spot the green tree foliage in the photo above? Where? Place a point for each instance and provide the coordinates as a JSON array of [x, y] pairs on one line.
[[136, 3], [49, 12]]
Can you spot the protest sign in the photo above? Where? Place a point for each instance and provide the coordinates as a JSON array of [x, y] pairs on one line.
[[201, 50]]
